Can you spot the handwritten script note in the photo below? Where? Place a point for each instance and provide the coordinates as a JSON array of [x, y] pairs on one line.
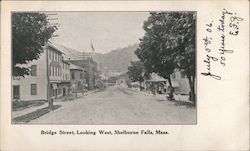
[[215, 41]]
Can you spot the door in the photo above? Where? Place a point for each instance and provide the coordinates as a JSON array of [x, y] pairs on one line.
[[16, 92], [64, 92]]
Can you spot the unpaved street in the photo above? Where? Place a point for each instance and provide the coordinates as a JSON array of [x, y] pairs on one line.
[[119, 105]]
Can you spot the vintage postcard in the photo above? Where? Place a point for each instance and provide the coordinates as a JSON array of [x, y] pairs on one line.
[[125, 75]]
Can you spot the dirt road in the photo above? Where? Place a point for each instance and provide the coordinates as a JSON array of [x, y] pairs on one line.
[[119, 105]]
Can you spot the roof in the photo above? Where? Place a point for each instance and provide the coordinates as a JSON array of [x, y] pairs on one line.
[[55, 47], [83, 63], [155, 77], [74, 67], [64, 61]]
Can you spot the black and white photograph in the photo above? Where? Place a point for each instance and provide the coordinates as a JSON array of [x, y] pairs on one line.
[[111, 68], [124, 75]]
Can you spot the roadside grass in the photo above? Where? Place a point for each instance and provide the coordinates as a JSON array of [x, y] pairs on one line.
[[33, 115], [21, 105]]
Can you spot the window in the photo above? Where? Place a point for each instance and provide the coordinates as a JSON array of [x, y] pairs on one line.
[[33, 89], [50, 70], [72, 75], [33, 70], [16, 92], [81, 75], [52, 55], [49, 54]]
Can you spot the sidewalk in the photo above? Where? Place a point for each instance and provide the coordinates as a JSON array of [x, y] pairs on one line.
[[57, 101], [28, 110]]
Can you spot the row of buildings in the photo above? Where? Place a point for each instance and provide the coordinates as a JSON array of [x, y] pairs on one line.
[[64, 77]]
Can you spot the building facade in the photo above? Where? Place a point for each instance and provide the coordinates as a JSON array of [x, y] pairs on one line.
[[92, 74], [78, 78], [33, 86], [48, 69]]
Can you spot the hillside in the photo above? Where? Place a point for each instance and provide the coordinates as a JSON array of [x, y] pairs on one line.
[[117, 60]]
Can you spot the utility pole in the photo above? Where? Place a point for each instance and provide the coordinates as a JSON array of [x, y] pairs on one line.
[[48, 80], [52, 18]]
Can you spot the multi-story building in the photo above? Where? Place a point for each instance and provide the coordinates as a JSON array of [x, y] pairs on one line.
[[78, 78], [33, 86], [48, 69], [64, 86], [59, 74], [90, 67]]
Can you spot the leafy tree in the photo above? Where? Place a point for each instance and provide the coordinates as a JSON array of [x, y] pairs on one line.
[[136, 72], [185, 48], [169, 43], [154, 51], [30, 33]]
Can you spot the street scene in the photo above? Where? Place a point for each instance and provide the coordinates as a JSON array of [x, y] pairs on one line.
[[119, 105], [104, 68]]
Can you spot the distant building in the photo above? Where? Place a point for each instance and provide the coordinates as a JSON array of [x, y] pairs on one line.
[[78, 78], [90, 66], [34, 86], [179, 82]]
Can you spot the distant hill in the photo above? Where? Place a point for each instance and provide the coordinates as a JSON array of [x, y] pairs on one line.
[[116, 61]]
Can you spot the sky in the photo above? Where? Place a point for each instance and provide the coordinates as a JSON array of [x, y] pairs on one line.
[[106, 30]]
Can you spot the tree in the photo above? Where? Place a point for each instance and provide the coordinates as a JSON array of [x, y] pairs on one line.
[[136, 72], [30, 33], [185, 48], [154, 51], [168, 44]]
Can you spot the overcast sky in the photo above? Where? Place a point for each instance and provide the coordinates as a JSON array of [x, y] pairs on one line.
[[106, 30]]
